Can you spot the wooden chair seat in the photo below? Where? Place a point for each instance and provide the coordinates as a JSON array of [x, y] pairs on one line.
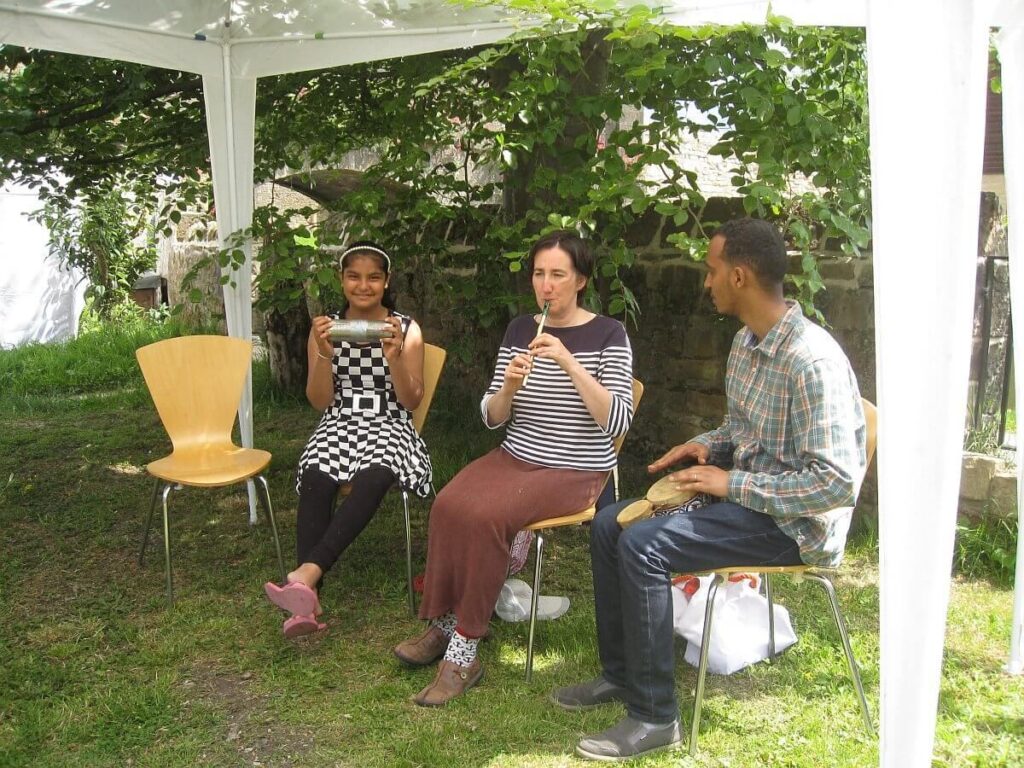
[[560, 522], [210, 467], [792, 570]]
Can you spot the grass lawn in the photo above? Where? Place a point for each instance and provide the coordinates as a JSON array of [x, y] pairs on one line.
[[97, 671]]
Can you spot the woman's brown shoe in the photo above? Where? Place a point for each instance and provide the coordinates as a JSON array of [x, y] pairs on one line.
[[452, 680], [423, 650]]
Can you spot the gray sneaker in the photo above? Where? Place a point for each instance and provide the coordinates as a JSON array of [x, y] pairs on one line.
[[586, 695], [629, 738]]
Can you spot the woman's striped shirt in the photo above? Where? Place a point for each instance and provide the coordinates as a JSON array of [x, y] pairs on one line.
[[550, 425]]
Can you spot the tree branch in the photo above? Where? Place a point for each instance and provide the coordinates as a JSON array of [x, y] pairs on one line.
[[108, 108]]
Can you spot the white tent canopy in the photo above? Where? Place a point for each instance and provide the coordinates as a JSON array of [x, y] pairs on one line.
[[931, 101]]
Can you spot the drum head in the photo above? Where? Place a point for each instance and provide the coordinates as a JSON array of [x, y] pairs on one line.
[[664, 493], [634, 513]]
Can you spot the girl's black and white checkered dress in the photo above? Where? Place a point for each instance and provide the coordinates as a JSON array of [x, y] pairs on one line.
[[366, 426]]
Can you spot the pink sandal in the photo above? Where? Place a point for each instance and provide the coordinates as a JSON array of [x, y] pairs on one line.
[[294, 597], [300, 626]]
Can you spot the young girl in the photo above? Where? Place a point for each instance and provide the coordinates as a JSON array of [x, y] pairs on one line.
[[367, 393]]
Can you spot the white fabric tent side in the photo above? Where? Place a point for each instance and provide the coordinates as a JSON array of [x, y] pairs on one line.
[[231, 123], [924, 295], [40, 299], [1010, 42]]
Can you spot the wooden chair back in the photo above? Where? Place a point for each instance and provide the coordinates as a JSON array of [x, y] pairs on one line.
[[871, 419], [433, 362], [196, 384], [638, 394]]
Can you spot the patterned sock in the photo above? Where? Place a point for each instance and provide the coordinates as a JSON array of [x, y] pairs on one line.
[[462, 649], [445, 623]]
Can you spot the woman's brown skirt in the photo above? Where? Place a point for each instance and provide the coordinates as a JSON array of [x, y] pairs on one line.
[[474, 520]]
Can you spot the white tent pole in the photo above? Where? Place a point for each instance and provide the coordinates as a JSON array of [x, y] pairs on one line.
[[230, 117], [925, 248], [242, 314], [1010, 42]]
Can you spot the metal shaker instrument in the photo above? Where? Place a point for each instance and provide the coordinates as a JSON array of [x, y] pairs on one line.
[[359, 330]]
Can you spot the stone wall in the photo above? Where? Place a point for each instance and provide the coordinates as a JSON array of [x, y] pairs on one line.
[[195, 238], [988, 487]]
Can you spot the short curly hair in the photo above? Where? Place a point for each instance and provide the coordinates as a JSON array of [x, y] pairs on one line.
[[756, 244]]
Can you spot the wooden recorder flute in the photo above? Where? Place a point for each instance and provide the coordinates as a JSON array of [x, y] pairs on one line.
[[540, 330]]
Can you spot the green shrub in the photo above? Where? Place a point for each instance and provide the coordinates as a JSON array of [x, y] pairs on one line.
[[987, 549], [100, 359]]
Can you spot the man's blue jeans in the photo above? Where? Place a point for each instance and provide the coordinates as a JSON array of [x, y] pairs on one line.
[[632, 588]]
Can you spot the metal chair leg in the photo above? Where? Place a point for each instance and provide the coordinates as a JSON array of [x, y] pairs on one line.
[[826, 584], [408, 552], [705, 645], [149, 522], [167, 548], [533, 604], [771, 617], [273, 525]]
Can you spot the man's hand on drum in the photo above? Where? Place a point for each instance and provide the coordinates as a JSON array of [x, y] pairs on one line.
[[706, 478], [695, 453], [516, 370]]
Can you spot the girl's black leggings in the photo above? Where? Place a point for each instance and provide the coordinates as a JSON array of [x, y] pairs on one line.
[[321, 536]]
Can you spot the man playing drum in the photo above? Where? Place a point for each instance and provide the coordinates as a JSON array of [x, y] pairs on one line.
[[781, 475]]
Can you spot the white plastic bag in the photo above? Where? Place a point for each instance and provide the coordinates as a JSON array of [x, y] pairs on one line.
[[739, 632], [514, 603]]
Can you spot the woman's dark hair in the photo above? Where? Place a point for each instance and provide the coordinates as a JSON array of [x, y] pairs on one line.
[[372, 250], [574, 245]]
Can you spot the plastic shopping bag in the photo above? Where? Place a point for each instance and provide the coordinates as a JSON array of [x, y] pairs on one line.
[[515, 598], [739, 633]]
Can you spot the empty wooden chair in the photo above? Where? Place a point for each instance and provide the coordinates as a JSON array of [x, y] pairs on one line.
[[196, 384]]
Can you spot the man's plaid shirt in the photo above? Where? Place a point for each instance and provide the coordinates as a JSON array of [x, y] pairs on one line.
[[794, 434]]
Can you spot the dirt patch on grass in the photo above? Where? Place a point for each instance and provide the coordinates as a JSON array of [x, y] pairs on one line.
[[251, 728], [857, 574]]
